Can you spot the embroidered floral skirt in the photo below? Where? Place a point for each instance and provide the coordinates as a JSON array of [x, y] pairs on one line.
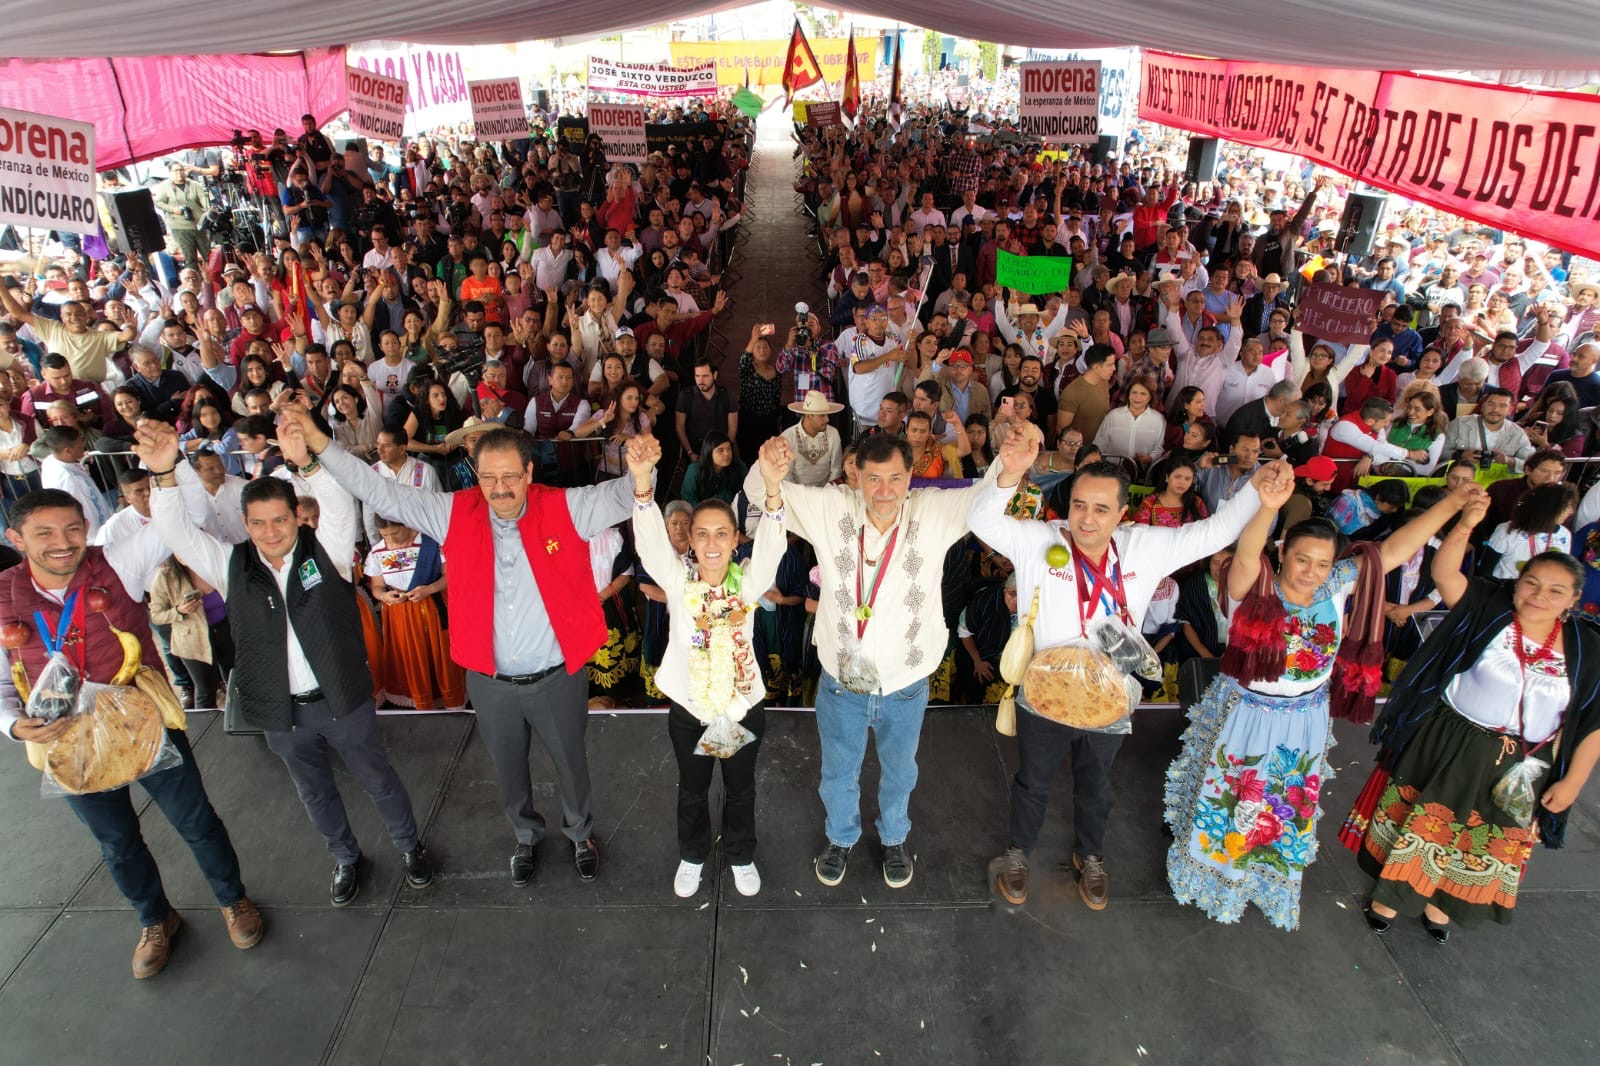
[[1242, 801], [1436, 835]]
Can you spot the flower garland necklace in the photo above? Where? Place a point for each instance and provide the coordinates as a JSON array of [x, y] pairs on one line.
[[721, 662]]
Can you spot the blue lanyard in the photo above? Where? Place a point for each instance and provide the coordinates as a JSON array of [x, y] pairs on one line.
[[55, 638]]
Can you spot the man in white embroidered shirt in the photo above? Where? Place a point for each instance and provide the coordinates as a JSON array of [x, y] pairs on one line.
[[879, 633], [1123, 565]]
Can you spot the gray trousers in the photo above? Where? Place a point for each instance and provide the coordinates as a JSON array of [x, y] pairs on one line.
[[556, 708], [355, 736]]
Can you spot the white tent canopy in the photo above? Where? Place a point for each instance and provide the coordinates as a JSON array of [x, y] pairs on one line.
[[1363, 34]]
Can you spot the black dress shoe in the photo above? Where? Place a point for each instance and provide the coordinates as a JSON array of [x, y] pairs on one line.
[[586, 857], [419, 871], [1375, 921], [1440, 931], [346, 883], [522, 865]]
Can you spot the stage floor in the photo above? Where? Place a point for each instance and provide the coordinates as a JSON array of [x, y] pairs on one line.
[[473, 970]]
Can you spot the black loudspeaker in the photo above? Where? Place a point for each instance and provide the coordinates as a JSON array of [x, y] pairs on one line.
[[1358, 226], [139, 230], [1101, 152], [345, 144], [1202, 165], [541, 100]]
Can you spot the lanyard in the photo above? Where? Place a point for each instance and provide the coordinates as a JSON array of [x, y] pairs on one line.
[[55, 640], [1095, 588], [864, 608]]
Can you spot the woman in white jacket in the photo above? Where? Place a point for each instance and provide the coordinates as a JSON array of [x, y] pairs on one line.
[[1136, 429], [1321, 364], [709, 669]]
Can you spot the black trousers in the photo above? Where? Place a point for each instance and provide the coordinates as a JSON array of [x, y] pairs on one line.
[[1041, 746], [694, 786], [210, 679]]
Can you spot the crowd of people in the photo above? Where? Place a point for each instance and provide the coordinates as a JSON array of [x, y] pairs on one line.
[[457, 439]]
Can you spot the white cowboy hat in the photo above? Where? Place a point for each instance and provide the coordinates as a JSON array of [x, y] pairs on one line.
[[470, 428], [816, 403], [1027, 309]]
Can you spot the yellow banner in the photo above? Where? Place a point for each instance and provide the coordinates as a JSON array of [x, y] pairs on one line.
[[764, 59], [800, 112]]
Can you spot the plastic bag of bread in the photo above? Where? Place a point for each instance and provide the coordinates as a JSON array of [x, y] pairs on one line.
[[117, 736], [1079, 685]]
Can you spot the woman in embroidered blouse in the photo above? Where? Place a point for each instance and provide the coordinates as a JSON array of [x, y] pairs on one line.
[[1508, 675], [1242, 796], [708, 669], [1177, 502]]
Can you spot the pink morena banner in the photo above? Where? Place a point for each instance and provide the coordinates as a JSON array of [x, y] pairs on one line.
[[1527, 162], [148, 106]]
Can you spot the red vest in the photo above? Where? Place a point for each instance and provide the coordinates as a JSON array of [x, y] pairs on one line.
[[101, 649], [559, 559], [1346, 456], [551, 419]]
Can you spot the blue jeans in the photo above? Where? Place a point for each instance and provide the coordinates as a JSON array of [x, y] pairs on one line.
[[181, 795], [843, 721]]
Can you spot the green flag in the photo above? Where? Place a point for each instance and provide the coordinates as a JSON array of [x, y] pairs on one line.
[[1034, 273], [748, 102]]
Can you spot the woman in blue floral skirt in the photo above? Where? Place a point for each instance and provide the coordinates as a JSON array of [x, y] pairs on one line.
[[1242, 797]]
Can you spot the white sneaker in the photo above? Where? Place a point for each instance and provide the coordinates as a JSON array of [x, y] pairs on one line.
[[686, 882], [747, 879]]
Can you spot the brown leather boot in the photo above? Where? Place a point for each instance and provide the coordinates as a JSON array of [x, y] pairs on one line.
[[244, 924], [1009, 876], [155, 947], [1093, 885]]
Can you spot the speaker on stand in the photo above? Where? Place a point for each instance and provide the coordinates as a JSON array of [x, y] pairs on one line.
[[139, 229], [1202, 163], [1358, 226]]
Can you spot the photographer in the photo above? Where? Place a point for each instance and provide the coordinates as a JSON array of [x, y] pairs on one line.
[[184, 203], [304, 204]]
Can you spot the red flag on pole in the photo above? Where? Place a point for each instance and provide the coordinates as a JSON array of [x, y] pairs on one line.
[[800, 69], [895, 102], [850, 98]]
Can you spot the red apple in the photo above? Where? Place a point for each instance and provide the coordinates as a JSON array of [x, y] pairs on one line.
[[13, 635], [97, 600]]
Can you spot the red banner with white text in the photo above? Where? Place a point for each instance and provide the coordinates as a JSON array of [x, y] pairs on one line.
[[1522, 161]]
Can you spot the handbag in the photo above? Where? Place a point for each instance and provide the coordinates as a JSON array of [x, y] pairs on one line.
[[1014, 660]]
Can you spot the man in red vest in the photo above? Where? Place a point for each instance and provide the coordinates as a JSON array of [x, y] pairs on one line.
[[514, 549], [1357, 441]]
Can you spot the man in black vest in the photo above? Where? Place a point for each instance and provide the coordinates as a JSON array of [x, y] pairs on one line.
[[300, 664]]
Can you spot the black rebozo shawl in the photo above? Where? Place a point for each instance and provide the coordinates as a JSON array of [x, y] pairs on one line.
[[1454, 647]]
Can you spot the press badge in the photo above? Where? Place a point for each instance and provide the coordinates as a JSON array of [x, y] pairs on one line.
[[310, 576]]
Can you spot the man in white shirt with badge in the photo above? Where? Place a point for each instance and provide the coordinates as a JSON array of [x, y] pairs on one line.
[[1086, 567], [880, 633]]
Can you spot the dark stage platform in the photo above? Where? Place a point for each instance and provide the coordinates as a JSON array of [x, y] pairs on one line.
[[473, 970]]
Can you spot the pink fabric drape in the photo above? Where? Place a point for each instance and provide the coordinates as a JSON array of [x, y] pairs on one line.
[[148, 106]]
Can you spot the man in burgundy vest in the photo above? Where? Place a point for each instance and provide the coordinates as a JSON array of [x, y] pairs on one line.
[[515, 549], [64, 576]]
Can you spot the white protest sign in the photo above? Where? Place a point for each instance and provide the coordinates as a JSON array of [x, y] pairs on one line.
[[1060, 102], [498, 113], [621, 127], [47, 172], [377, 104], [651, 79]]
